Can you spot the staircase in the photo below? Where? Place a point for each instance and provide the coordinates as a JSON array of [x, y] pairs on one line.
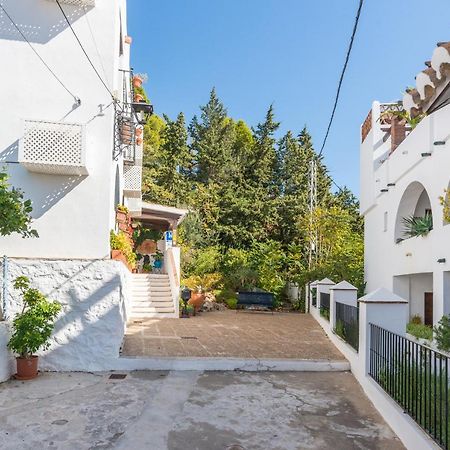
[[151, 296]]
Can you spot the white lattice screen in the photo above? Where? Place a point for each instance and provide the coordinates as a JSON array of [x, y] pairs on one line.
[[55, 148], [132, 179], [77, 2]]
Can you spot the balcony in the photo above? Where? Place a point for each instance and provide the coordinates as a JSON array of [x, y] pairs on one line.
[[53, 148]]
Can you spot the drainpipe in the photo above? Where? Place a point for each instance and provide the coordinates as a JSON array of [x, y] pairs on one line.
[[4, 286]]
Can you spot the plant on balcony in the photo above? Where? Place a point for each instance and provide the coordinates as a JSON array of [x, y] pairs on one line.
[[445, 203], [138, 79], [32, 328], [417, 226], [402, 115]]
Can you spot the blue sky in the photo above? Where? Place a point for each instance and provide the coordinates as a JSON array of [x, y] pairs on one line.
[[289, 53]]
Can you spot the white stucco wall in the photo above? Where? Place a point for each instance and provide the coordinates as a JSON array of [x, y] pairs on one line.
[[384, 259], [7, 367], [72, 214], [94, 297]]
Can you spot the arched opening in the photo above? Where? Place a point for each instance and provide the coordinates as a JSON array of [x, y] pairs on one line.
[[414, 214]]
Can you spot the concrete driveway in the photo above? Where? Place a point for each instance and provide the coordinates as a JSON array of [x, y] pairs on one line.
[[229, 334], [190, 411]]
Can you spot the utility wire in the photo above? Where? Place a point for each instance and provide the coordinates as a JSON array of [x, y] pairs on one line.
[[77, 100], [355, 26], [84, 51]]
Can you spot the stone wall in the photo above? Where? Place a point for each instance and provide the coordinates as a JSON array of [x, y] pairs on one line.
[[94, 297], [6, 359]]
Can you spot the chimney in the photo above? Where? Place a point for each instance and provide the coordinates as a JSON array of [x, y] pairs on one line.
[[398, 132]]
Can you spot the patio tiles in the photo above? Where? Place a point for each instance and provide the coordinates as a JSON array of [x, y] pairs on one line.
[[230, 334]]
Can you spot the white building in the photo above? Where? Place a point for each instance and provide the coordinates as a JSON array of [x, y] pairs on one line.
[[404, 171], [68, 140]]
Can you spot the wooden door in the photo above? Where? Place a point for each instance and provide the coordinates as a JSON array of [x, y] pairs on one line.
[[428, 308]]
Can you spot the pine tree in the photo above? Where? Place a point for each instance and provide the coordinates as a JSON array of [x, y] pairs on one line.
[[212, 140]]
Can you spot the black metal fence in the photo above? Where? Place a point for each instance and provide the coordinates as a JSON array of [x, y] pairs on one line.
[[416, 377], [325, 305], [314, 296], [347, 324]]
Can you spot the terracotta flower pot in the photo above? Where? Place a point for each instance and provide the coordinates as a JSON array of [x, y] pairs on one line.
[[139, 131], [27, 368], [196, 301], [137, 81], [139, 141], [121, 216], [125, 133], [138, 98], [128, 39]]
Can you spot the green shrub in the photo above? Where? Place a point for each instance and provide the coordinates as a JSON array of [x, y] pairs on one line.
[[223, 295], [32, 327], [122, 242], [203, 283], [416, 319], [420, 331], [231, 303], [442, 333]]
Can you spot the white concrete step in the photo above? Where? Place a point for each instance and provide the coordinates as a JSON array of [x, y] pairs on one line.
[[150, 309], [154, 296], [141, 293], [149, 276], [137, 316], [151, 286], [154, 304]]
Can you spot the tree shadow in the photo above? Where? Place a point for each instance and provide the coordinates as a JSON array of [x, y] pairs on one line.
[[39, 21], [44, 190]]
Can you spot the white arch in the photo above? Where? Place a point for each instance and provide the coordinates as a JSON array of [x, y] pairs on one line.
[[415, 200]]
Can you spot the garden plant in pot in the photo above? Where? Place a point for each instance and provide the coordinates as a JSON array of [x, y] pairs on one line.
[[197, 298], [32, 328]]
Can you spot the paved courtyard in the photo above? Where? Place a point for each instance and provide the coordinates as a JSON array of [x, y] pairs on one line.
[[231, 334], [191, 411]]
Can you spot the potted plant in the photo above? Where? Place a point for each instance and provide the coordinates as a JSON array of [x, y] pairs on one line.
[[139, 131], [32, 328], [122, 214], [158, 260], [138, 98], [138, 79], [197, 298], [126, 133], [128, 39], [122, 249]]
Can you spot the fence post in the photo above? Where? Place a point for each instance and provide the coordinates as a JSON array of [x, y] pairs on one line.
[[323, 287], [382, 308], [343, 292], [309, 289]]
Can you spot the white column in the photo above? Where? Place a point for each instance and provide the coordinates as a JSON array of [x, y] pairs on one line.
[[342, 292], [323, 287], [382, 308]]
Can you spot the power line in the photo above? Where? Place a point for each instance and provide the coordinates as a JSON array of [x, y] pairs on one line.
[[38, 55], [355, 26], [84, 51]]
